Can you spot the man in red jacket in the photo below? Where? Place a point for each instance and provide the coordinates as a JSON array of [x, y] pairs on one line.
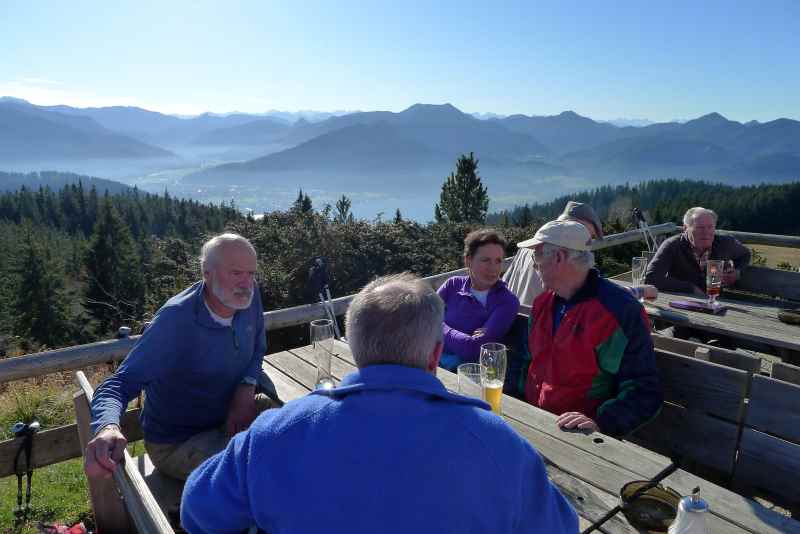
[[593, 362]]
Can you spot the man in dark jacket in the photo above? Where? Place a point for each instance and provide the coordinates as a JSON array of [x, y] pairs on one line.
[[680, 263]]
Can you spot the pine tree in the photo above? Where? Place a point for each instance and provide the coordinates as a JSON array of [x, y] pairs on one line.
[[464, 198], [302, 203], [398, 217], [115, 288], [41, 309], [343, 214], [525, 218]]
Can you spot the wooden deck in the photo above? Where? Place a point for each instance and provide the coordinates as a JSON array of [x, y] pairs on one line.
[[589, 470]]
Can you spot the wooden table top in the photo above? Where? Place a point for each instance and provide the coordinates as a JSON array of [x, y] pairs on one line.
[[588, 469], [745, 319]]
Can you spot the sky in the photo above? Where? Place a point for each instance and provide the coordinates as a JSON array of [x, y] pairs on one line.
[[659, 60]]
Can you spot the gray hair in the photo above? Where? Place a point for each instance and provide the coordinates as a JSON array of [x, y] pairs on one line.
[[583, 259], [395, 319], [209, 254], [693, 213]]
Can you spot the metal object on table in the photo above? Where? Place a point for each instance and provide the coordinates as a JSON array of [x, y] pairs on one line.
[[26, 431], [652, 483]]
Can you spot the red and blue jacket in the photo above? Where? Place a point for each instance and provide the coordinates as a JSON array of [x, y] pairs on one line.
[[598, 360]]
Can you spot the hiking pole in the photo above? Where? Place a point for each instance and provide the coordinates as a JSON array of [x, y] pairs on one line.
[[641, 222], [667, 471], [318, 284], [25, 431]]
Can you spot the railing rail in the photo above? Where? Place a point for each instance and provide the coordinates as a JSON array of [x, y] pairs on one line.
[[82, 356]]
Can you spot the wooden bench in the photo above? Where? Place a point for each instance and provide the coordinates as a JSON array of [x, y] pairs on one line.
[[702, 412], [770, 282], [769, 450], [137, 498]]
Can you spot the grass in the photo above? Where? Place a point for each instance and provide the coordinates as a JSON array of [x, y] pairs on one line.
[[776, 255], [59, 494], [59, 491]]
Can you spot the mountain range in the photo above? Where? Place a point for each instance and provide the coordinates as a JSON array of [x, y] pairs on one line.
[[412, 149]]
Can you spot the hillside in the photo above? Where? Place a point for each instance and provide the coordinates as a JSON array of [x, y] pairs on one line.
[[31, 133]]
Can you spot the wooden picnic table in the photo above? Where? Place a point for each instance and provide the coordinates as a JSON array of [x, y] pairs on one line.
[[588, 469], [753, 320]]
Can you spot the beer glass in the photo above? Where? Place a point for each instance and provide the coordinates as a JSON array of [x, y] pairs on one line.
[[714, 269], [493, 358], [638, 270], [321, 337], [470, 379]]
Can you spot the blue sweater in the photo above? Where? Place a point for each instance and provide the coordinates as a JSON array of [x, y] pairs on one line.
[[389, 451], [188, 366]]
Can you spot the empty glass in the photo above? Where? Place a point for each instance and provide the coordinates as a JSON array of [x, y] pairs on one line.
[[321, 337], [493, 358], [714, 270], [470, 379], [638, 270]]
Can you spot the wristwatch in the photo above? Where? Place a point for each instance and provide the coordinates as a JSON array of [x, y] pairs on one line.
[[249, 380]]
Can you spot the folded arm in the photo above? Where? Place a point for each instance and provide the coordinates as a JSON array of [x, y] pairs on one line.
[[659, 268], [467, 346]]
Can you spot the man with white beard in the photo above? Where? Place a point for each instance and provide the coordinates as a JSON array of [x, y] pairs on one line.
[[199, 364]]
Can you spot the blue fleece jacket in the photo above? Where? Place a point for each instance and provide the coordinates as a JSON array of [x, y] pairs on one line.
[[188, 366], [389, 451]]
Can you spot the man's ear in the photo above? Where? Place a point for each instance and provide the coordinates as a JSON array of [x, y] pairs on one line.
[[436, 355]]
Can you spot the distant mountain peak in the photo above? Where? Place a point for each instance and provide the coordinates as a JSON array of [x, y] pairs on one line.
[[432, 108], [711, 117], [14, 100]]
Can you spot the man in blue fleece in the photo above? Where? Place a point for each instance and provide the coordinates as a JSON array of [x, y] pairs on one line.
[[198, 363], [388, 451]]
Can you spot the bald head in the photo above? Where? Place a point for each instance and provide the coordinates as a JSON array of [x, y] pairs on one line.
[[395, 320]]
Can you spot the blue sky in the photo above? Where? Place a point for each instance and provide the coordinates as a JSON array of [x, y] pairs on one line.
[[605, 60]]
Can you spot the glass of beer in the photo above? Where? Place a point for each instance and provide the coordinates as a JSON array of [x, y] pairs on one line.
[[321, 336], [470, 379], [714, 270], [493, 358]]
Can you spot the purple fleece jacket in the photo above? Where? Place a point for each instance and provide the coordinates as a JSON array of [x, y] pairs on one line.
[[464, 314]]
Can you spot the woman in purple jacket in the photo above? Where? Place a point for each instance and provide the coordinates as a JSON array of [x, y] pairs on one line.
[[479, 308]]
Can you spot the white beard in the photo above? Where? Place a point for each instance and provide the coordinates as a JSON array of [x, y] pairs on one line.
[[230, 303]]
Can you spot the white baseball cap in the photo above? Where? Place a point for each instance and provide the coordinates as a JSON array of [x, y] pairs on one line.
[[568, 234]]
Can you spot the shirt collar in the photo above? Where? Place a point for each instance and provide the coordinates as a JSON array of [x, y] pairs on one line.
[[466, 286], [391, 377], [587, 291]]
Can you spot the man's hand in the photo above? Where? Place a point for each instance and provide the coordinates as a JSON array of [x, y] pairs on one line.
[[105, 452], [575, 420], [242, 411], [729, 278]]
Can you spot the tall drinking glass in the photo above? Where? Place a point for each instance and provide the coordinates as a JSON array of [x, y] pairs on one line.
[[321, 336], [714, 270], [493, 358], [470, 379], [638, 270]]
